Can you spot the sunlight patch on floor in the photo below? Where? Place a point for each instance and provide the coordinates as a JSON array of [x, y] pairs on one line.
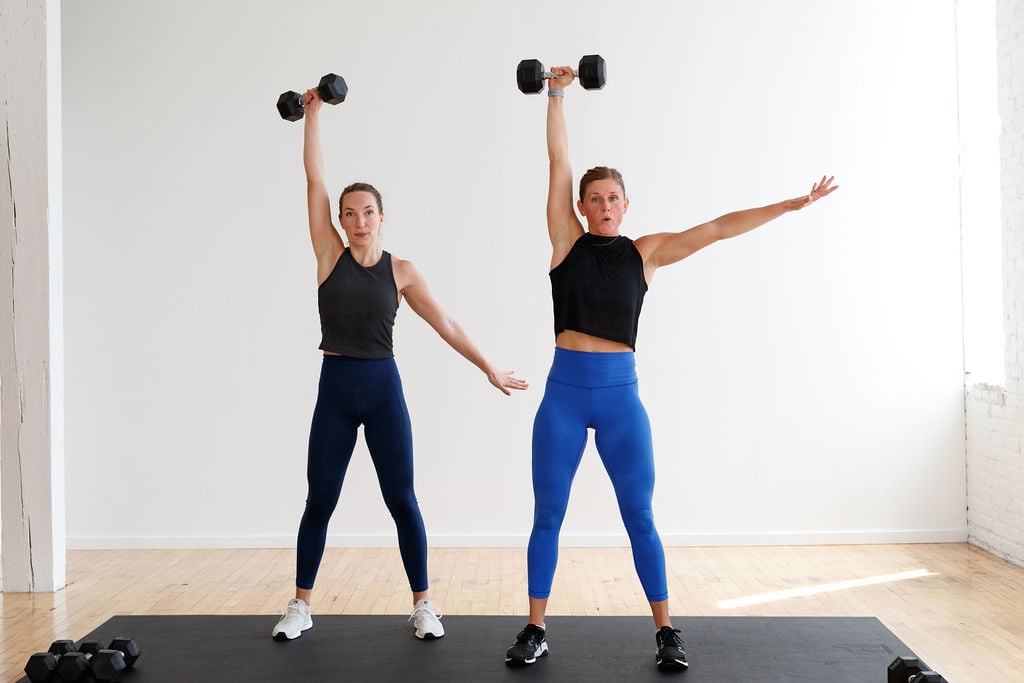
[[775, 596]]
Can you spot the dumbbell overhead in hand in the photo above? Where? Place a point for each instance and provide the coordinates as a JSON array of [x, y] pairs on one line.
[[530, 74], [332, 89]]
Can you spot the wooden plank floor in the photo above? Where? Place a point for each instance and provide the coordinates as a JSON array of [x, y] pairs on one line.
[[960, 608]]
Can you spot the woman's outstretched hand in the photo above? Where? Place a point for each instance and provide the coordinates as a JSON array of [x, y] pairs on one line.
[[822, 188], [505, 381]]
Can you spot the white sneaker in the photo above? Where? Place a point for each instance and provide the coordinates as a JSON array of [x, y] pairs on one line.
[[295, 619], [426, 617]]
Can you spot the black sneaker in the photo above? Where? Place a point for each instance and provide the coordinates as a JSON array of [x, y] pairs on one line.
[[529, 645], [671, 655]]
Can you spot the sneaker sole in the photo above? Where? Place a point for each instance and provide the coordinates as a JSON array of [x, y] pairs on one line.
[[429, 636], [672, 665], [512, 661], [282, 636]]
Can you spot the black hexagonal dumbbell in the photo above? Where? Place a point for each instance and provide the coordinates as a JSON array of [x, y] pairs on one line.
[[75, 666], [911, 670], [332, 89], [530, 74], [42, 666], [108, 664]]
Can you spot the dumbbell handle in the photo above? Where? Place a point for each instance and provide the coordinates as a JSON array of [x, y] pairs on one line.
[[548, 74]]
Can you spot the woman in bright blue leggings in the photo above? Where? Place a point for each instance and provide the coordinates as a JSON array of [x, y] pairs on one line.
[[598, 281], [596, 391]]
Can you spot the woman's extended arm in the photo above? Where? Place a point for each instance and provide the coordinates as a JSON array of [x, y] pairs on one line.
[[564, 228], [666, 248], [327, 243], [424, 304]]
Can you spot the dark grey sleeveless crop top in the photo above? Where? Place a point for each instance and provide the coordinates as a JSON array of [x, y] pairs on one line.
[[357, 308]]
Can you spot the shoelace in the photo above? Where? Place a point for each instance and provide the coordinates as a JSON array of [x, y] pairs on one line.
[[291, 610], [529, 635], [424, 610], [671, 637]]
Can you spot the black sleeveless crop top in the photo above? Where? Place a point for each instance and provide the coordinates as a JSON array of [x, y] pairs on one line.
[[357, 308], [599, 288]]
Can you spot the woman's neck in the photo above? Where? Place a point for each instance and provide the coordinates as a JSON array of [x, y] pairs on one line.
[[367, 255]]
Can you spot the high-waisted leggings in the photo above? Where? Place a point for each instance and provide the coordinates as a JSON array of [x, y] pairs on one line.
[[597, 391], [352, 393]]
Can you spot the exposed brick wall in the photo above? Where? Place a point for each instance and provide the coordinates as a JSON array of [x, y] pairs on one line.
[[995, 416]]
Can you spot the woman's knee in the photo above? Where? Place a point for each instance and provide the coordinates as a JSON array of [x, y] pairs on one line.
[[320, 507], [639, 521], [548, 517], [402, 505]]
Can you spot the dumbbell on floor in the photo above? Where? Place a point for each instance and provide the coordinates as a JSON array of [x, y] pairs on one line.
[[74, 666], [66, 662], [108, 664], [530, 74], [332, 89], [912, 670], [42, 666]]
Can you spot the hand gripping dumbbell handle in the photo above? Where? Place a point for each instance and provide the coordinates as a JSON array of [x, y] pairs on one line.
[[548, 74]]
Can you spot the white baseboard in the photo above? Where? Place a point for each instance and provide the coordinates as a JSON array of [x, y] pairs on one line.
[[673, 540]]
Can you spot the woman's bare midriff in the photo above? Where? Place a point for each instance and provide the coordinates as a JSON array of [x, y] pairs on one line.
[[578, 341]]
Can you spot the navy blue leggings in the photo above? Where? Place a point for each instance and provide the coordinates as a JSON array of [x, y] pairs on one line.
[[360, 392], [597, 391]]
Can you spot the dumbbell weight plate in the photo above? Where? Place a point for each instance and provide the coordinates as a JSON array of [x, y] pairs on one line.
[[332, 89], [903, 669], [128, 648], [289, 106], [530, 76], [40, 666], [108, 665], [591, 72]]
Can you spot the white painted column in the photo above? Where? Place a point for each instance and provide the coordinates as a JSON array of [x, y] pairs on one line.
[[31, 298]]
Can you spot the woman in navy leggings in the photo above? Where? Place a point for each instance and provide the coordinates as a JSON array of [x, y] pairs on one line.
[[598, 281], [360, 287]]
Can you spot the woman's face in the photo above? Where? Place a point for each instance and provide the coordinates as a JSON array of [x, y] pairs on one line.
[[360, 218], [603, 204]]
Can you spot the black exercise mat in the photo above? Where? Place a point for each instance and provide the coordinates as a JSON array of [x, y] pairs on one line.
[[197, 649]]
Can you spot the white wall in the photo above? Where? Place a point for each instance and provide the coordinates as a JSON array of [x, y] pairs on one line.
[[805, 382]]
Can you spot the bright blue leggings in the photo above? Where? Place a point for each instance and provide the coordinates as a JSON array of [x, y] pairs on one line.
[[596, 391], [352, 393]]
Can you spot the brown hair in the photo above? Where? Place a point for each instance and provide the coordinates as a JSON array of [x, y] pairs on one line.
[[600, 173], [362, 187]]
